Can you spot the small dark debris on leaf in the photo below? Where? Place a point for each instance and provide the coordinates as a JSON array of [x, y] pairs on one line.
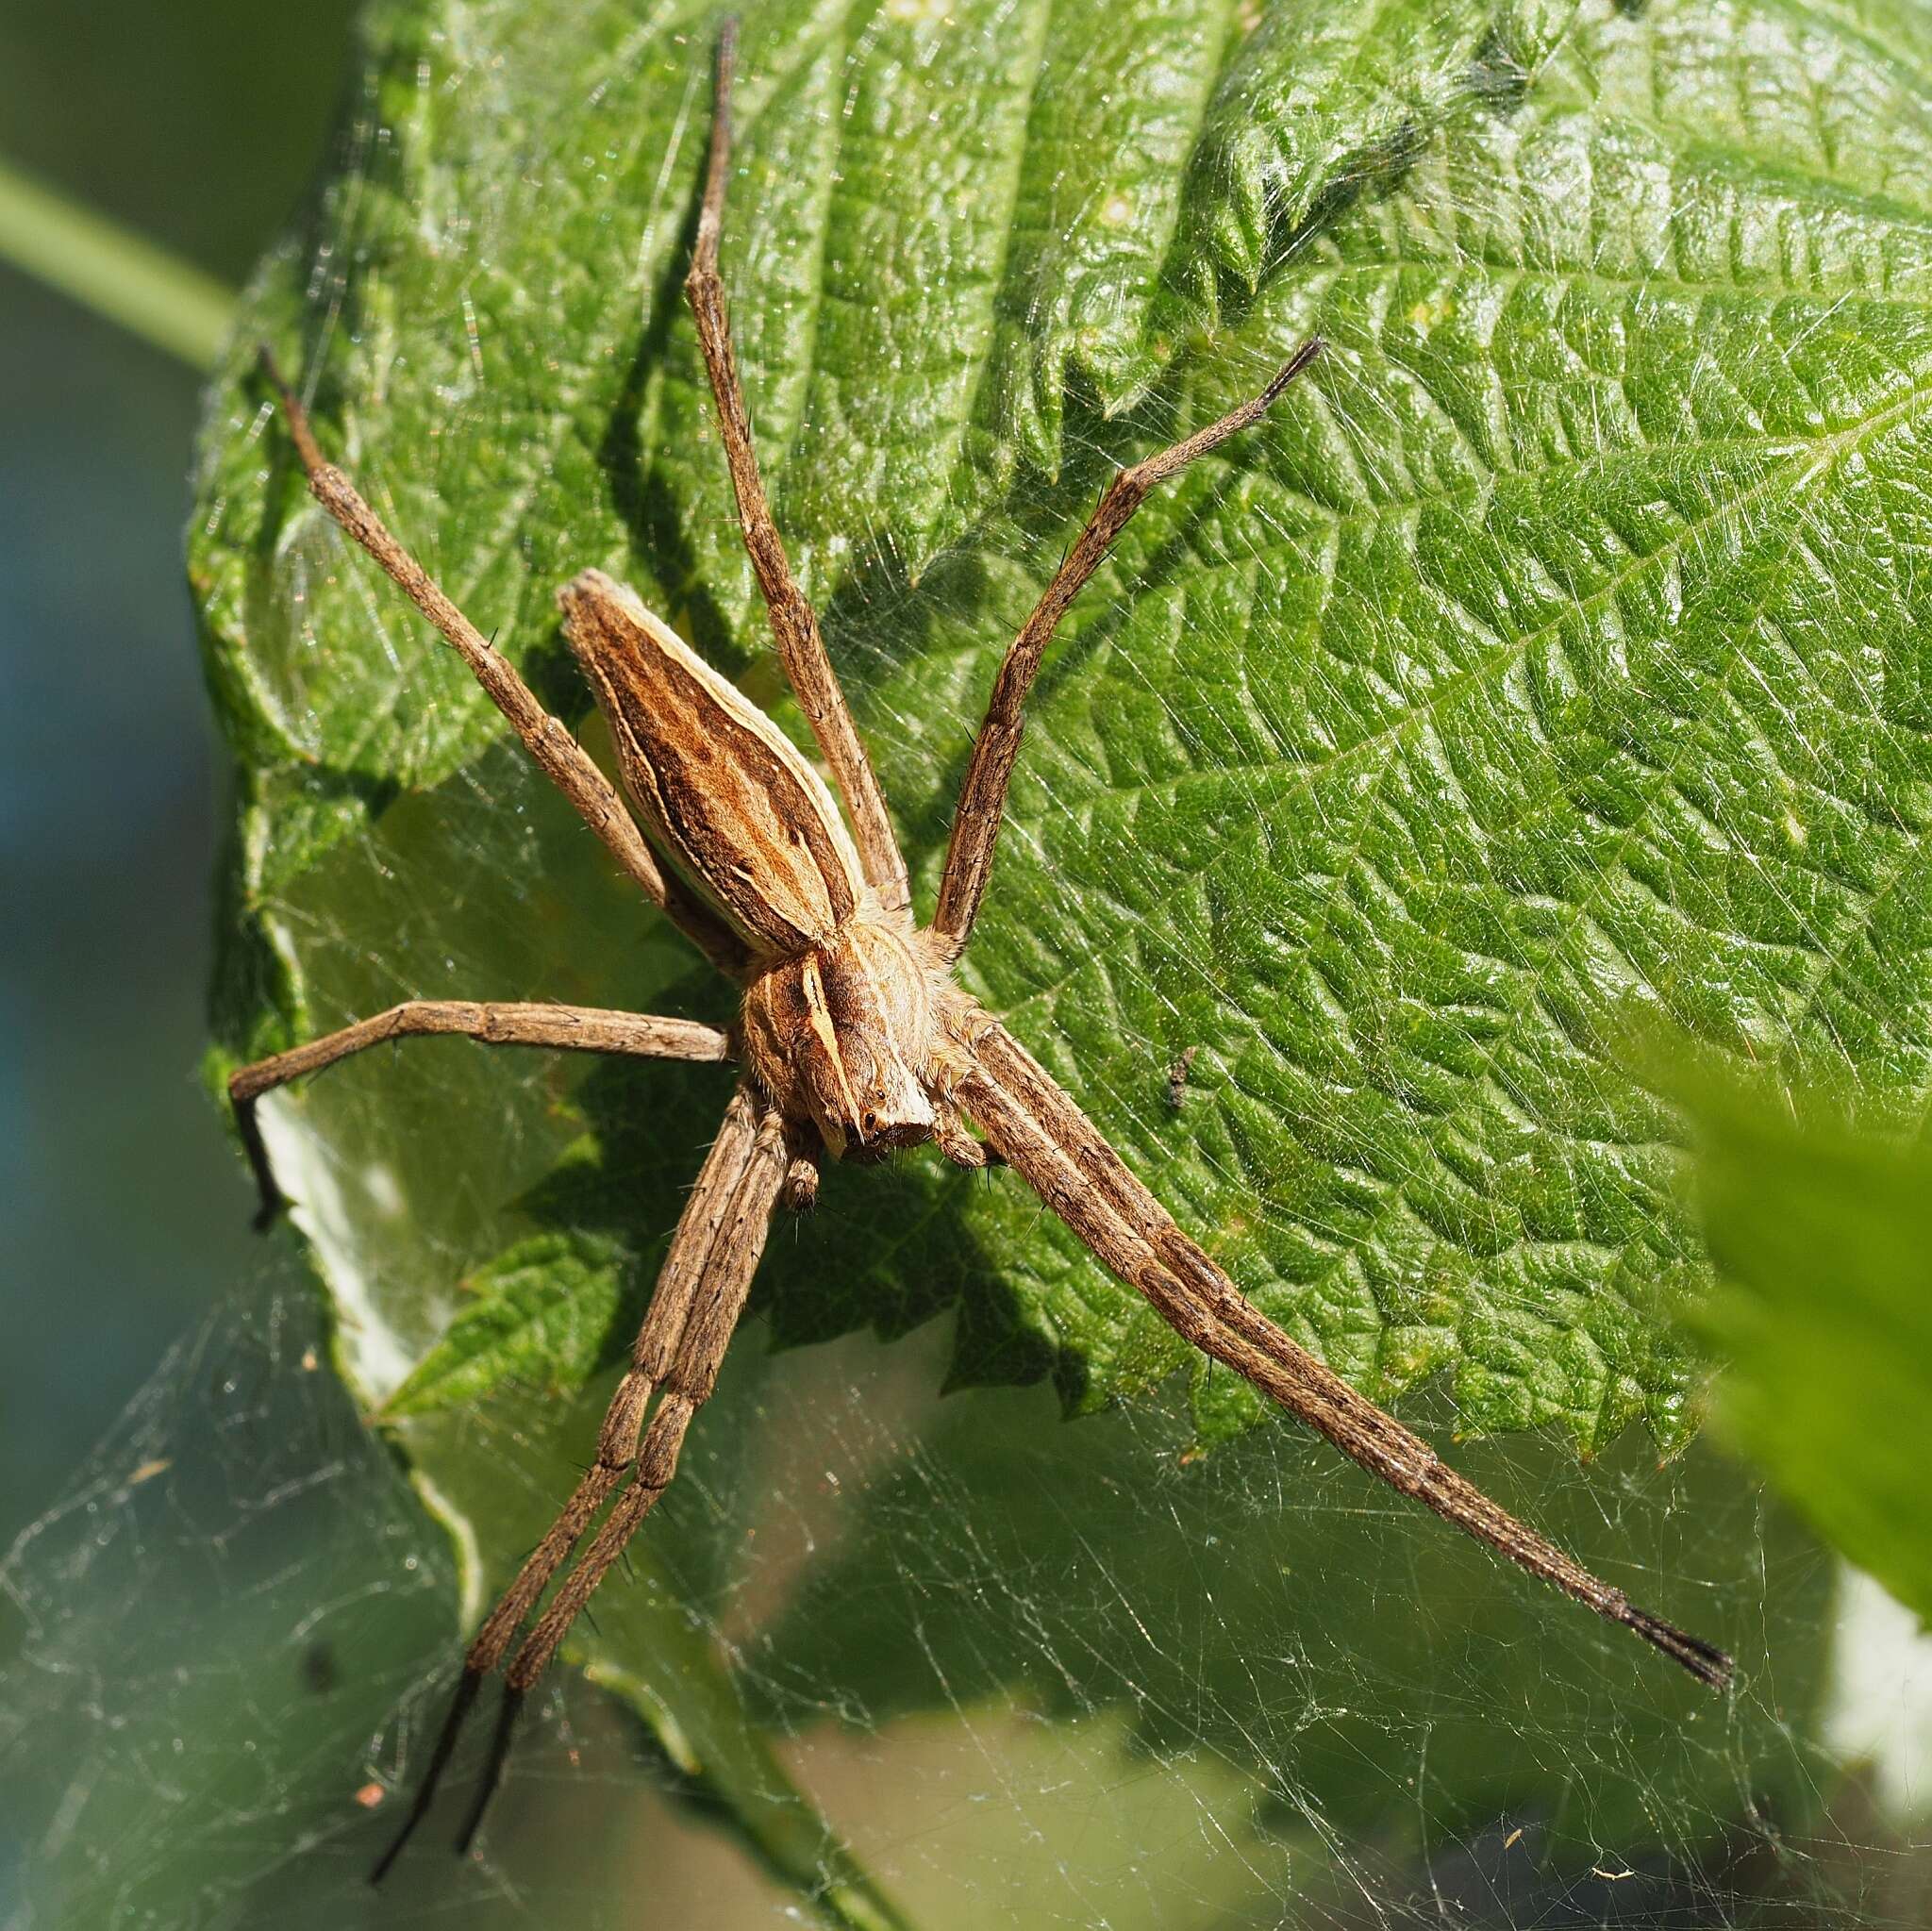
[[1177, 1078]]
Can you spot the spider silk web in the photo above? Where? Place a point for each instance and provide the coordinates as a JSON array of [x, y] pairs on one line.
[[885, 1655], [1030, 1674]]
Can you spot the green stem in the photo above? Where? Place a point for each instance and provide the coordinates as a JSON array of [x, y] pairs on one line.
[[105, 268]]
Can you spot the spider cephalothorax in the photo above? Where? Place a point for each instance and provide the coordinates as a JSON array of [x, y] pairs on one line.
[[852, 1038], [843, 1036]]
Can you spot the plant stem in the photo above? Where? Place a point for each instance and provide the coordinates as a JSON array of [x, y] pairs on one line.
[[104, 267]]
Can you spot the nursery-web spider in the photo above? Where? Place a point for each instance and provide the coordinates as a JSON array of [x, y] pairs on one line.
[[854, 1041]]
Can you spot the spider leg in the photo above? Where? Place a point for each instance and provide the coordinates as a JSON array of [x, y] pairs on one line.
[[1063, 1157], [802, 1182], [562, 761], [983, 796], [955, 1143], [567, 1028], [699, 1250], [686, 1383], [794, 625]]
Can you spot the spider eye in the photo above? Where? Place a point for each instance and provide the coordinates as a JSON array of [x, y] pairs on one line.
[[870, 1121]]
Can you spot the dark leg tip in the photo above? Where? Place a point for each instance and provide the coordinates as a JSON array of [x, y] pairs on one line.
[[1704, 1660], [467, 1687], [380, 1869], [507, 1715], [1293, 367], [274, 1202]]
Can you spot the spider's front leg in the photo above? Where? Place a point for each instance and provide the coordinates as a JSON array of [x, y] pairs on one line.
[[1063, 1157], [1032, 1125], [700, 1295]]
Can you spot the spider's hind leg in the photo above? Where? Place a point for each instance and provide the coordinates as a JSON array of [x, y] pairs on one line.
[[794, 623], [983, 796], [556, 754]]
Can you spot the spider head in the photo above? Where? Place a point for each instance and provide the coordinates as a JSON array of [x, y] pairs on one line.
[[841, 1036]]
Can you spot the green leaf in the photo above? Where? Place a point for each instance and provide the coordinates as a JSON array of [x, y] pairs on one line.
[[1824, 1234], [541, 1312], [1325, 100], [1550, 661]]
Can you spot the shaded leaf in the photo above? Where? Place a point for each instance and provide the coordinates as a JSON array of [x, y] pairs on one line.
[[541, 1312], [1824, 1236]]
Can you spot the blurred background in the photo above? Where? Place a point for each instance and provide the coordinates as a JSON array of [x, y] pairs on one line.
[[199, 126]]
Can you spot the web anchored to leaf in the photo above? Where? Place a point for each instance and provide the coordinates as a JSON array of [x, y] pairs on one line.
[[1550, 663], [1235, 1693], [854, 1041]]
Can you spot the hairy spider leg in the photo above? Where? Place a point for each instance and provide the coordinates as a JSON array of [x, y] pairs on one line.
[[983, 796], [700, 1288], [685, 1386], [1033, 1124], [548, 741], [1063, 1157], [562, 1029], [794, 623]]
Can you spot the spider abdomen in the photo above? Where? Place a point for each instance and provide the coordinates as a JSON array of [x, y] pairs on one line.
[[722, 791], [841, 1036]]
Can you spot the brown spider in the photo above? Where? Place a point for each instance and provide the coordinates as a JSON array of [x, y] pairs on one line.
[[853, 1040]]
